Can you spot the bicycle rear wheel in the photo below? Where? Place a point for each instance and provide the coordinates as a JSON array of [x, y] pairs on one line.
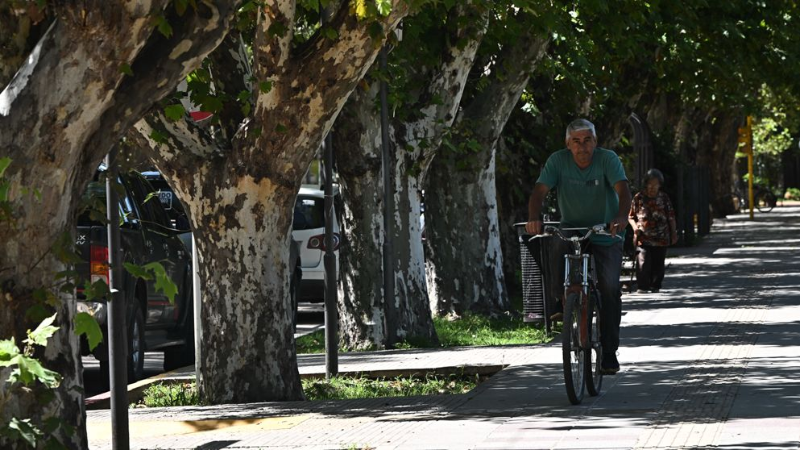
[[765, 201], [594, 370], [573, 355]]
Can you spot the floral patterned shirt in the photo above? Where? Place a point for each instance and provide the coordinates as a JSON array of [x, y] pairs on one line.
[[652, 215]]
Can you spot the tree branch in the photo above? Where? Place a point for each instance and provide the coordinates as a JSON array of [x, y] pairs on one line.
[[312, 87], [160, 66]]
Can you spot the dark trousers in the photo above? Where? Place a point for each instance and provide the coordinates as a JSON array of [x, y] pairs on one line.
[[608, 264], [650, 272]]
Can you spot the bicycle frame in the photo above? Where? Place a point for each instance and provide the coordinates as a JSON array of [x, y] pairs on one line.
[[578, 267]]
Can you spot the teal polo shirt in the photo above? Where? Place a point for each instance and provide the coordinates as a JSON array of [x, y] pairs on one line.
[[586, 197]]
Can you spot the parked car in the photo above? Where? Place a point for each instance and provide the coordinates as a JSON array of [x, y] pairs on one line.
[[146, 235], [309, 230]]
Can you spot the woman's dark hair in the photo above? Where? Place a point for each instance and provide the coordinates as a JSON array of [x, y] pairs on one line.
[[654, 173]]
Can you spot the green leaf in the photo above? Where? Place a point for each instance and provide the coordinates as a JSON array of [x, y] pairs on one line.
[[86, 324], [125, 68], [163, 26], [53, 443], [64, 250], [25, 430], [329, 33], [384, 7], [246, 108], [158, 137], [8, 350], [51, 424], [96, 290], [375, 30], [277, 28], [281, 128], [138, 271], [210, 103], [68, 274], [37, 313], [174, 112], [265, 86], [30, 370], [42, 333], [163, 281], [248, 6], [151, 195], [180, 6], [4, 163]]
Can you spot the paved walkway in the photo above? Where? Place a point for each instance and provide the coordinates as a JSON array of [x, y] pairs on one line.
[[712, 361]]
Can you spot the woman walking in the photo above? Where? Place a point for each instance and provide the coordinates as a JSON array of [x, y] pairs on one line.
[[653, 220]]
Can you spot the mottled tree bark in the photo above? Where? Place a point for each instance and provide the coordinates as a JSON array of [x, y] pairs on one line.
[[412, 141], [67, 105], [356, 142], [239, 188], [463, 237]]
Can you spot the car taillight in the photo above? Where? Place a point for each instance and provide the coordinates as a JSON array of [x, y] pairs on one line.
[[318, 242], [98, 261]]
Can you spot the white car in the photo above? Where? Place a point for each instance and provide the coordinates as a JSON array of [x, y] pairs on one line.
[[309, 231]]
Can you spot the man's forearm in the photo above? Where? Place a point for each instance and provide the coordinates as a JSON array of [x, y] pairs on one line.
[[535, 202]]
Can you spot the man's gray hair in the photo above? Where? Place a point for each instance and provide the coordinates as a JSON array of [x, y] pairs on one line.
[[580, 125]]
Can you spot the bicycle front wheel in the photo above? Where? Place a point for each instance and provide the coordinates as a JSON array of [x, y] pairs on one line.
[[594, 370], [573, 355], [765, 201]]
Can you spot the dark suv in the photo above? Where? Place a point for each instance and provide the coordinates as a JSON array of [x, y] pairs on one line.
[[147, 235]]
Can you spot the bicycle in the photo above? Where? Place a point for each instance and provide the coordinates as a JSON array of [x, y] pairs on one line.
[[763, 199], [581, 348]]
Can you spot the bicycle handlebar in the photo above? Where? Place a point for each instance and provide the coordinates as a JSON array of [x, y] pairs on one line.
[[599, 229]]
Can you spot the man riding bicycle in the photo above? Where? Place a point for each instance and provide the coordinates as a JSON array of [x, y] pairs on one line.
[[592, 189]]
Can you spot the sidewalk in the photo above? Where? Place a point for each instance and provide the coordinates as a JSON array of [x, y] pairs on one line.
[[711, 361]]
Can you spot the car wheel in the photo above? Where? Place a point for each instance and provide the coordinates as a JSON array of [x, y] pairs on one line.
[[136, 345]]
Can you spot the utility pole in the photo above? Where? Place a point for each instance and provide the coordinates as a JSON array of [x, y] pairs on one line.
[[117, 329], [329, 260], [389, 315], [746, 138], [331, 314]]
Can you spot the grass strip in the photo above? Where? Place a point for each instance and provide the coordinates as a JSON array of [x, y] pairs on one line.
[[471, 329], [337, 388]]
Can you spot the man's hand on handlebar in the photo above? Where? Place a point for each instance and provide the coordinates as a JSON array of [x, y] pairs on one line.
[[534, 227], [617, 225]]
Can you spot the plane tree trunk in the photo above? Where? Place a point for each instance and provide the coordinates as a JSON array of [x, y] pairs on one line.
[[356, 141], [239, 185], [59, 116], [463, 237], [412, 138]]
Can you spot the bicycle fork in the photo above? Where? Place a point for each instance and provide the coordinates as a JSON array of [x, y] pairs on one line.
[[583, 303]]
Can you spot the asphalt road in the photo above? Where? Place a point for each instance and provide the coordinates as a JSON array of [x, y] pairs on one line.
[[310, 318]]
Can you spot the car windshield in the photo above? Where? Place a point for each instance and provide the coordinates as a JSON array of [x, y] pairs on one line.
[[309, 213], [93, 208]]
